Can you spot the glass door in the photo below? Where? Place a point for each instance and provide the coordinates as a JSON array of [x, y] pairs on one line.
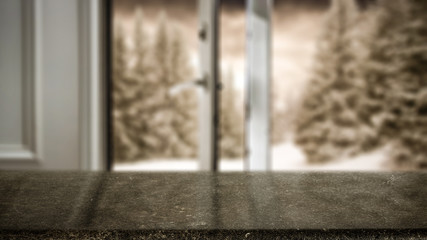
[[164, 85]]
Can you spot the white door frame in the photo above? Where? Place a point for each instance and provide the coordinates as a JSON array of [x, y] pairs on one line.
[[258, 85], [92, 85], [208, 95]]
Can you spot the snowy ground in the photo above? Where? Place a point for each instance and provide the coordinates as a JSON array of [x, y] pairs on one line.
[[285, 157]]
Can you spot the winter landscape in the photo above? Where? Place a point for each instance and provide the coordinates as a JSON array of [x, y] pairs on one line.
[[349, 85]]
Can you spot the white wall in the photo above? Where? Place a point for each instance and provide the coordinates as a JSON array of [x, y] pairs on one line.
[[60, 78], [42, 105]]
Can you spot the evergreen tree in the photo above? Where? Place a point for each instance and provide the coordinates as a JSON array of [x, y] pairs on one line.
[[328, 126], [124, 147], [384, 20], [184, 120], [231, 122], [397, 76], [175, 122], [142, 107], [410, 105]]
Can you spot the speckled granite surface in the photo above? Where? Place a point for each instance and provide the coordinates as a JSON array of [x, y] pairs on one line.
[[206, 205]]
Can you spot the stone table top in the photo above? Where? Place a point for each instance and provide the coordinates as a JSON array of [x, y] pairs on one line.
[[212, 201]]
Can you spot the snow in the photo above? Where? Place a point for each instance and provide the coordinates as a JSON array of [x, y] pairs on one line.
[[285, 157], [176, 165], [288, 157]]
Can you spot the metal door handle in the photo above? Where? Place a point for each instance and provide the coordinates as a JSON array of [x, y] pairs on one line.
[[178, 88]]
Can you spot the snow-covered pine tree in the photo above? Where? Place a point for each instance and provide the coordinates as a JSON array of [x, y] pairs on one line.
[[231, 122], [376, 68], [327, 126], [406, 83], [124, 147], [142, 105], [184, 104], [175, 122], [160, 119]]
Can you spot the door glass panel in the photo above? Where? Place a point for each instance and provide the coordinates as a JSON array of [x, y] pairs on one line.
[[155, 48], [349, 85], [232, 68]]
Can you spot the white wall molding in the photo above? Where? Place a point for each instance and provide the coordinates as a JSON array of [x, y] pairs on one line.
[[17, 152], [30, 150]]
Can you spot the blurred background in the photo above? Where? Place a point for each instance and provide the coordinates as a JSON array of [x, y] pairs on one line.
[[349, 85]]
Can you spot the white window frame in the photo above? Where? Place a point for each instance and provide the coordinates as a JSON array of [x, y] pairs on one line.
[[258, 80]]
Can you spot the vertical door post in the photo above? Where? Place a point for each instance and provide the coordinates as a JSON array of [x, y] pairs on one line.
[[258, 84], [208, 100]]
